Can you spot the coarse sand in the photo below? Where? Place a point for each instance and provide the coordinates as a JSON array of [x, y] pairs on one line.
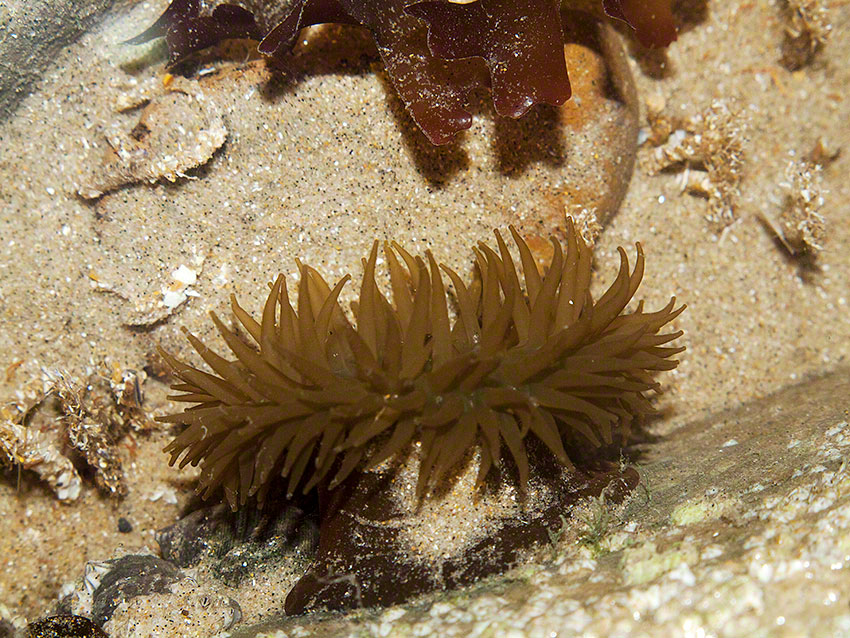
[[316, 166]]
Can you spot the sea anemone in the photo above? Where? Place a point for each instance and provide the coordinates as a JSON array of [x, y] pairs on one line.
[[318, 398], [434, 52]]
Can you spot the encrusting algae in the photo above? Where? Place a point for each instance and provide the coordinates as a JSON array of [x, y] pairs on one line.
[[319, 397]]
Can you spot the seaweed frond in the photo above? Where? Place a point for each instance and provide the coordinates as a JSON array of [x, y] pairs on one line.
[[435, 52]]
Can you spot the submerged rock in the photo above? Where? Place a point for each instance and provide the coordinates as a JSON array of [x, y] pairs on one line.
[[128, 577], [185, 610]]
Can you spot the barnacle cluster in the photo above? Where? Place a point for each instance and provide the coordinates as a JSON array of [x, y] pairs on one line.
[[435, 52], [317, 397], [708, 148]]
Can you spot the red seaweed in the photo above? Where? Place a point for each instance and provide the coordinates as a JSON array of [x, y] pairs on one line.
[[435, 52], [652, 20], [515, 38]]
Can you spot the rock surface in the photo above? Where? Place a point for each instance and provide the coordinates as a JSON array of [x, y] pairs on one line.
[[735, 513], [758, 320], [128, 577], [34, 32]]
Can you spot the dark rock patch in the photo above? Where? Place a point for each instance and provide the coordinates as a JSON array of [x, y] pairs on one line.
[[131, 576]]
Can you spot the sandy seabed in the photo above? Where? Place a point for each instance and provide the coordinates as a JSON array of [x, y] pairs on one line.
[[316, 172]]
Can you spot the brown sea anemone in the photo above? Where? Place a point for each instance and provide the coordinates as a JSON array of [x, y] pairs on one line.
[[318, 397]]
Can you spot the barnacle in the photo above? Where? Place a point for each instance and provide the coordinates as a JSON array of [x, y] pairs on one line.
[[319, 397], [435, 52]]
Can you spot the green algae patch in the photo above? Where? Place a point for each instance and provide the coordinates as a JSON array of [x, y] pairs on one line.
[[645, 563], [704, 509]]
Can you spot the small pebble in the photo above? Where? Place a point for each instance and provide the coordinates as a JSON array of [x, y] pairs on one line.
[[124, 526], [64, 627]]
